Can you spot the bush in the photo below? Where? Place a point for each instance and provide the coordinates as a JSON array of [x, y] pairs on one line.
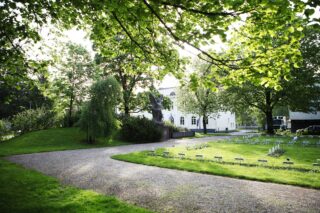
[[173, 128], [284, 132], [5, 129], [33, 119], [140, 129]]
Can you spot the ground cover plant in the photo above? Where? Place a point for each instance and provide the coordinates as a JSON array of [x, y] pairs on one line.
[[243, 157], [23, 190]]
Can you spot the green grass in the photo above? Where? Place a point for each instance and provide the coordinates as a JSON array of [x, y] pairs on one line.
[[24, 190], [201, 135], [303, 157], [52, 140]]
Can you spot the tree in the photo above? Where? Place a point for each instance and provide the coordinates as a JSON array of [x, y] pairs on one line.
[[24, 95], [142, 101], [153, 27], [195, 23], [131, 73], [202, 101], [98, 115], [197, 98], [74, 70], [300, 91]]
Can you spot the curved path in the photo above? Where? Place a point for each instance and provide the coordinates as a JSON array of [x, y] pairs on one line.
[[166, 190]]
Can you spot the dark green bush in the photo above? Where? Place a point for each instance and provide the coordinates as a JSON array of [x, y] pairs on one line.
[[33, 119], [140, 129]]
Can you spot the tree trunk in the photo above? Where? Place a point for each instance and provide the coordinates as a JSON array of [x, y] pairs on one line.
[[269, 120], [126, 108], [204, 124], [268, 113], [70, 123]]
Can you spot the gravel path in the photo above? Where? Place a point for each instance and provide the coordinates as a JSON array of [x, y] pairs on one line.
[[166, 190]]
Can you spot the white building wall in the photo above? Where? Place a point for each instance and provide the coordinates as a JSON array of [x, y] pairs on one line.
[[218, 122]]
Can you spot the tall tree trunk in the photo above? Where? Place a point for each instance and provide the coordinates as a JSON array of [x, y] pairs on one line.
[[268, 113], [70, 122], [204, 124], [126, 107]]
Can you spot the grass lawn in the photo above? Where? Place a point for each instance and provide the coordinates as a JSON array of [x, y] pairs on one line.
[[52, 140], [24, 190], [273, 171], [201, 135]]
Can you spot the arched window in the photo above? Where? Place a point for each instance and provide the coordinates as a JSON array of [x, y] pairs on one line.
[[172, 94], [193, 120], [181, 120]]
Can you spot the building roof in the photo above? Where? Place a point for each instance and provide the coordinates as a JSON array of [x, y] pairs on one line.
[[304, 116]]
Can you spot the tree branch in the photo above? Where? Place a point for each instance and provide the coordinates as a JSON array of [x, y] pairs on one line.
[[128, 33], [208, 14], [175, 37]]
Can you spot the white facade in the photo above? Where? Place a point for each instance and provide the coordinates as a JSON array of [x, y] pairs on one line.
[[220, 122]]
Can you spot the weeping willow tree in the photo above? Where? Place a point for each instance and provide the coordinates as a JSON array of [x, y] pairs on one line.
[[98, 115]]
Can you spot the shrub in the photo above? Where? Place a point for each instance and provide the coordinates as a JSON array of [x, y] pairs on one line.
[[5, 129], [284, 132], [33, 119], [173, 128], [140, 129]]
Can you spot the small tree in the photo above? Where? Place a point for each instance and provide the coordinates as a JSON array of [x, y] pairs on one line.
[[201, 101], [98, 115]]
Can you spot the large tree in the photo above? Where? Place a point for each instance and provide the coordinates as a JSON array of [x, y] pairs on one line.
[[131, 73], [299, 90], [152, 26], [74, 69]]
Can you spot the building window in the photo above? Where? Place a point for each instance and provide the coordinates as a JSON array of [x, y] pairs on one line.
[[172, 94], [207, 120], [193, 120], [181, 120]]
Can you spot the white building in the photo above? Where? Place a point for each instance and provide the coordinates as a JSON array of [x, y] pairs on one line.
[[221, 122]]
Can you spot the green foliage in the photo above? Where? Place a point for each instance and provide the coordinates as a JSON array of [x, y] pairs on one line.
[[300, 92], [174, 128], [142, 101], [33, 119], [23, 95], [5, 128], [74, 70], [197, 97], [23, 190], [140, 129], [98, 115]]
